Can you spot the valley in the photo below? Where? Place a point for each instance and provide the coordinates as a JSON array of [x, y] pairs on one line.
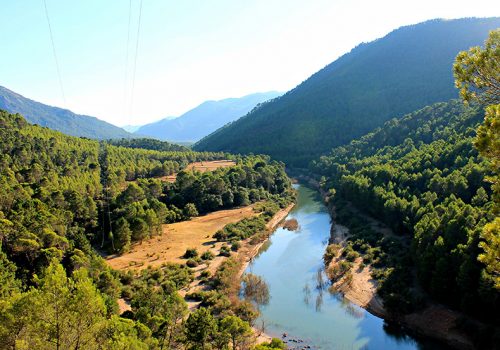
[[359, 210]]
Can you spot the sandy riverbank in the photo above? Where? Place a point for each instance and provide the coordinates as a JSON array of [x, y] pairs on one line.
[[434, 321]]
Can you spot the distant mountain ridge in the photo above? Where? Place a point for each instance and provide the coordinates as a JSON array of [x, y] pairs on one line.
[[409, 68], [58, 118], [204, 119]]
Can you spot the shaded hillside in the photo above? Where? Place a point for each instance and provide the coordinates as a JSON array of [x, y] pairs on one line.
[[204, 119], [406, 70], [422, 177], [57, 118], [151, 144]]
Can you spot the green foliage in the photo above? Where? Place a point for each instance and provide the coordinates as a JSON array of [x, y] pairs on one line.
[[477, 71], [49, 316], [477, 75], [190, 253], [406, 70], [275, 343], [422, 177], [146, 143], [201, 328], [207, 255], [242, 229], [61, 194]]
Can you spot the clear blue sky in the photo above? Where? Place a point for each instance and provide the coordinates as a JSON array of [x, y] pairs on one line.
[[189, 51]]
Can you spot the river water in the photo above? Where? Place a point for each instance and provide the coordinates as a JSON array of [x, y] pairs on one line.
[[289, 263]]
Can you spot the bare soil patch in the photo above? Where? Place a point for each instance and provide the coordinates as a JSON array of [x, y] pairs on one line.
[[176, 238], [210, 165], [202, 167], [357, 284]]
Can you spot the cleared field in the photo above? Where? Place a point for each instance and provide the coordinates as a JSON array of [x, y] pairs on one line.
[[176, 238], [210, 166], [202, 167]]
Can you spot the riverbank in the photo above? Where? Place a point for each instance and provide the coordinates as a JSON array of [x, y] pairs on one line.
[[249, 248], [434, 321], [249, 251], [357, 285]]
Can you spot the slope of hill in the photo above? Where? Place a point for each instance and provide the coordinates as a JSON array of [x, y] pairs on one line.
[[422, 177], [204, 119], [59, 119], [55, 190], [406, 70]]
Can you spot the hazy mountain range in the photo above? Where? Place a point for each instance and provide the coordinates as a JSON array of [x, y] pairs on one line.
[[204, 119]]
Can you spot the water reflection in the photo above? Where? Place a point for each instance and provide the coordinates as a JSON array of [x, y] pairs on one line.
[[298, 302], [307, 294], [255, 289]]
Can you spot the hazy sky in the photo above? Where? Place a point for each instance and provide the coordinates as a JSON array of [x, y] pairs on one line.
[[189, 51]]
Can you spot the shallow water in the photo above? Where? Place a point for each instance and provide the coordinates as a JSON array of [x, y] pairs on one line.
[[289, 263]]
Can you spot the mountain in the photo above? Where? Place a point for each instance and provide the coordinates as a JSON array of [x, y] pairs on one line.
[[407, 69], [204, 119], [58, 118], [130, 128]]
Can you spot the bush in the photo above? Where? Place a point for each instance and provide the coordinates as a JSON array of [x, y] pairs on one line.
[[235, 246], [208, 255], [225, 251], [190, 253], [191, 263]]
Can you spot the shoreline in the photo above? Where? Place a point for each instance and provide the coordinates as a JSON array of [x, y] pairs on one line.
[[246, 257], [271, 226], [434, 321]]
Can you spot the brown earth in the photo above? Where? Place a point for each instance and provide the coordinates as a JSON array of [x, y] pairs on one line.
[[176, 238], [357, 285], [197, 233], [201, 167]]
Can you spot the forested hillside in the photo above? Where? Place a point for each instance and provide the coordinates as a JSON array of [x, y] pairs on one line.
[[421, 176], [63, 197], [204, 119], [58, 118], [404, 71], [146, 143]]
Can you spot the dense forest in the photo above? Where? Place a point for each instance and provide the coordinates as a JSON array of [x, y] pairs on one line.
[[406, 70], [62, 197], [147, 143], [422, 176], [433, 178]]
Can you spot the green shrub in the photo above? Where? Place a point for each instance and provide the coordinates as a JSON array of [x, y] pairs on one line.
[[208, 255], [190, 253]]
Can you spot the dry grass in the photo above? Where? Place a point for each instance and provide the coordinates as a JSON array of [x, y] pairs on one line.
[[210, 166], [201, 167], [176, 238]]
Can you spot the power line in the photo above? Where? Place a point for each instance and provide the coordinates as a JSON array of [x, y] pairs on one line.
[[54, 51], [135, 59], [126, 58]]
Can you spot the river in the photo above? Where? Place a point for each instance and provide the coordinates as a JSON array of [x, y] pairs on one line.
[[289, 263]]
